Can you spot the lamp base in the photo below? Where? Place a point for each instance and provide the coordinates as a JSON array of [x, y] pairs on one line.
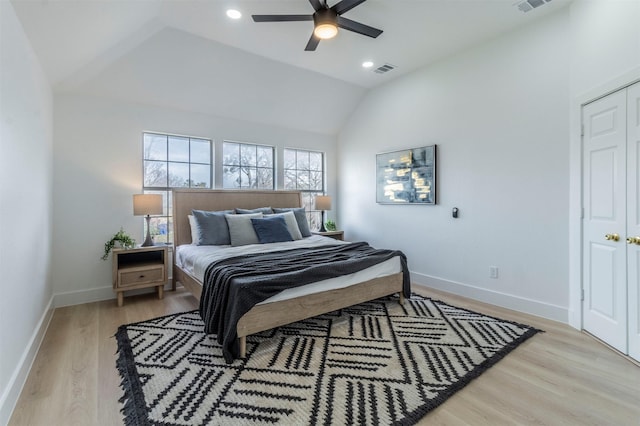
[[148, 242], [322, 228]]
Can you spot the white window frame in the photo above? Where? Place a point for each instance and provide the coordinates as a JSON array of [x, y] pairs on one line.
[[165, 190], [314, 217]]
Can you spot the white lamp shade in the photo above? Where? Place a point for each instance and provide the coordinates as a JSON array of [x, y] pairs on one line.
[[144, 204], [323, 202]]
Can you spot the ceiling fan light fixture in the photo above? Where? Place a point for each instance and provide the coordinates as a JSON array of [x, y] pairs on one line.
[[326, 31], [325, 24]]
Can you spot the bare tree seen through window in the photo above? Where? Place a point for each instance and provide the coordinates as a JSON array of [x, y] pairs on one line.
[[247, 166]]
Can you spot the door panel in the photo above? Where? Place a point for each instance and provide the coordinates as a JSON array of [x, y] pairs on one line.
[[605, 272], [603, 175], [633, 217], [634, 303], [604, 122]]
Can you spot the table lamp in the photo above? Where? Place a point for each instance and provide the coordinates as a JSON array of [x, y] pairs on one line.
[[147, 204], [323, 202]]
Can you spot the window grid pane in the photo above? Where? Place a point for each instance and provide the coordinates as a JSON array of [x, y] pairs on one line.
[[155, 147], [200, 152], [155, 174], [179, 149], [167, 163]]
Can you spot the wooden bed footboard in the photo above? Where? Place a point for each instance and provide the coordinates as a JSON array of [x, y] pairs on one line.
[[271, 315]]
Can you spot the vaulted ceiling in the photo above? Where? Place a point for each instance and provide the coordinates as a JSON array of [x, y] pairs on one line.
[[188, 54]]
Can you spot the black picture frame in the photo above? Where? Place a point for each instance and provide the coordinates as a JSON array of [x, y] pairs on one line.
[[407, 176]]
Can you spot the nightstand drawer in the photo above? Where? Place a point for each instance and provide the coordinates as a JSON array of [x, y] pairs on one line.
[[135, 276]]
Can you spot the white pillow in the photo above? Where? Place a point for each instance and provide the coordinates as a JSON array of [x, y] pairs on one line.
[[241, 229], [195, 231], [292, 224]]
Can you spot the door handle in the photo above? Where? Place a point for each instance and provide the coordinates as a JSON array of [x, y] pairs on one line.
[[612, 237], [633, 240]]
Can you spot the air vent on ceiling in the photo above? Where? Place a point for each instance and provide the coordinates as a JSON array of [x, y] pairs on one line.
[[384, 68], [528, 5]]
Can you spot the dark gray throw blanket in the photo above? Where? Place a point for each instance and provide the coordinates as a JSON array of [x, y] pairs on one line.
[[233, 286]]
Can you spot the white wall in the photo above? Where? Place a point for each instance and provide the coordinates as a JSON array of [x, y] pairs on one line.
[[25, 206], [605, 37], [220, 80], [499, 115], [98, 167], [605, 55]]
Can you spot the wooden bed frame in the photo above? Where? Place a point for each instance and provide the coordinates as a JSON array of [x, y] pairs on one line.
[[268, 315]]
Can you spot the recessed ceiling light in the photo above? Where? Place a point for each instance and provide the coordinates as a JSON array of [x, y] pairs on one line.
[[234, 14], [367, 64]]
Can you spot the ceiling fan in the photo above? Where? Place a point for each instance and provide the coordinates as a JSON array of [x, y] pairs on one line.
[[326, 21]]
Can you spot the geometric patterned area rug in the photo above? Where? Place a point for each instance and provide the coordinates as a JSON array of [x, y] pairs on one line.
[[373, 363]]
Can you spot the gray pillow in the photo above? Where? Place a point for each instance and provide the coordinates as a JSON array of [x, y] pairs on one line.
[[212, 227], [263, 210], [291, 222], [241, 230], [301, 218]]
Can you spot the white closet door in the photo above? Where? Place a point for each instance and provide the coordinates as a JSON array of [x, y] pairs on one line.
[[633, 217], [604, 257]]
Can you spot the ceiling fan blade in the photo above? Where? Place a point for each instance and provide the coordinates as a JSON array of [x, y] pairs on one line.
[[281, 18], [357, 27], [313, 43], [345, 6], [316, 4]]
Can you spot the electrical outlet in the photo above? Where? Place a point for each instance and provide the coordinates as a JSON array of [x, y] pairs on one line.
[[493, 272]]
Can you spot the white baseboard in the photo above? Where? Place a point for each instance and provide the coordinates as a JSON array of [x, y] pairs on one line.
[[78, 297], [12, 392], [509, 301]]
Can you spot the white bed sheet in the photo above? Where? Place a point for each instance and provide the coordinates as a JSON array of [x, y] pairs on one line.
[[195, 259]]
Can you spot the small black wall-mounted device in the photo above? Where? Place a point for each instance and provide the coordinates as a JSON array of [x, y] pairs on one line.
[[454, 212]]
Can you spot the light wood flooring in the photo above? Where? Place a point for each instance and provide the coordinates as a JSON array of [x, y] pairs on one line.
[[561, 377]]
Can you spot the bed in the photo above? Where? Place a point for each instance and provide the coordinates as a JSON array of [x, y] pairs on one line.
[[277, 312]]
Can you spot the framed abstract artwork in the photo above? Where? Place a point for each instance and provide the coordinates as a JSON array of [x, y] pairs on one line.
[[407, 176]]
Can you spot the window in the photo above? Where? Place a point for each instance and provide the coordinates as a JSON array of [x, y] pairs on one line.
[[247, 166], [304, 171], [173, 162]]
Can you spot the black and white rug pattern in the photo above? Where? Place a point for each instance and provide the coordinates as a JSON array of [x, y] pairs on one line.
[[374, 363]]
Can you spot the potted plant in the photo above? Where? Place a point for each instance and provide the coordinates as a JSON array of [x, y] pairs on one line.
[[330, 225], [120, 237]]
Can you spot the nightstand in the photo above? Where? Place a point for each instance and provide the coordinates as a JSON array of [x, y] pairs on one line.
[[336, 235], [140, 267]]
